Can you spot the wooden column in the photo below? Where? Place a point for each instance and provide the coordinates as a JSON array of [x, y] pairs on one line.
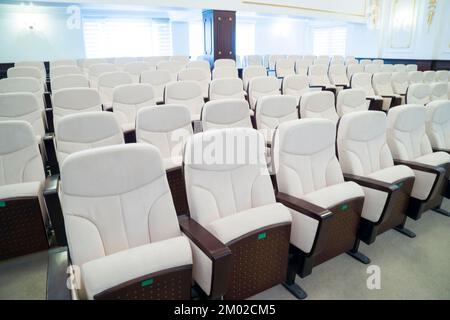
[[219, 34]]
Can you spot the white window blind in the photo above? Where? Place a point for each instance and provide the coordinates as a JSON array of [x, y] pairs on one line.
[[245, 38], [118, 37], [329, 41]]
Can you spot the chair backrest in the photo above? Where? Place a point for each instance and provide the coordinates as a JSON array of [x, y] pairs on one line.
[[429, 76], [135, 69], [338, 74], [418, 93], [24, 84], [378, 61], [349, 61], [225, 72], [224, 63], [199, 75], [19, 154], [439, 91], [372, 68], [318, 75], [354, 68], [87, 63], [363, 81], [153, 61], [284, 67], [304, 167], [234, 181], [399, 81], [438, 124], [262, 86], [180, 58], [387, 68], [442, 75], [107, 82], [62, 62], [33, 64], [188, 93], [123, 192], [165, 126], [273, 60], [221, 114], [273, 110], [362, 144], [64, 70], [322, 61], [86, 130], [158, 80], [411, 67], [128, 99], [295, 85], [199, 64], [28, 72], [364, 62], [172, 66], [96, 70], [406, 135], [351, 100], [318, 104], [74, 100], [400, 67], [251, 72], [302, 65], [226, 88], [253, 60], [69, 81], [415, 77], [22, 106], [121, 61], [381, 83]]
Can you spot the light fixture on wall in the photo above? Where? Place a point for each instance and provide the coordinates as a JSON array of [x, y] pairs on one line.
[[373, 14], [28, 19], [431, 11]]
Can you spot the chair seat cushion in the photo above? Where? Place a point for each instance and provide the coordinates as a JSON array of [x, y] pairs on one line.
[[392, 174], [18, 190], [234, 226], [335, 194], [434, 159], [112, 270]]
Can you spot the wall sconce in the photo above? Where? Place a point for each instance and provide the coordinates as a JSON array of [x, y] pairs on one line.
[[431, 11], [373, 14]]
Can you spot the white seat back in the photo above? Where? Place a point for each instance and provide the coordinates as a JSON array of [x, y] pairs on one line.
[[251, 72], [135, 69], [219, 63], [438, 124], [24, 84], [318, 75], [64, 70], [318, 104], [158, 80], [284, 67], [381, 83], [226, 88], [301, 66], [351, 100], [225, 72], [372, 68], [202, 77], [363, 81], [399, 81], [33, 64], [188, 93], [221, 114], [26, 72], [69, 81], [173, 67], [62, 62], [273, 60], [415, 77], [442, 75], [387, 68], [400, 68], [253, 60], [354, 68], [439, 91], [411, 67], [338, 74], [180, 58], [429, 76], [295, 85], [418, 93], [106, 84], [365, 62], [262, 86], [96, 70], [199, 64]]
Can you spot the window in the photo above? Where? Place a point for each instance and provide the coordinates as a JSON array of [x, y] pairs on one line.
[[196, 44], [117, 37], [245, 38], [329, 41]]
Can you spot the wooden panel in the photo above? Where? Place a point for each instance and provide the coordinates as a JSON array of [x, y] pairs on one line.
[[219, 34]]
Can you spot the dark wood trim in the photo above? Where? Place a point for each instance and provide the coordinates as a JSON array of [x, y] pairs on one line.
[[307, 208], [54, 208], [58, 262]]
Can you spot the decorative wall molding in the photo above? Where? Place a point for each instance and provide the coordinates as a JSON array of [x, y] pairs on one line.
[[402, 24]]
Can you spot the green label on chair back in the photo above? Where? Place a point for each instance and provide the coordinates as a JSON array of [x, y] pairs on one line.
[[2, 204], [147, 282], [262, 235], [344, 207], [400, 184]]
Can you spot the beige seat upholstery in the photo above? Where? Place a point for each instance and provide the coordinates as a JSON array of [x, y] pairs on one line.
[[302, 66], [62, 62], [442, 75], [122, 208], [429, 76], [173, 67], [226, 88], [253, 60], [438, 124], [69, 81], [418, 93], [107, 82], [24, 84], [400, 67], [260, 87], [354, 68], [188, 93], [382, 85], [135, 68], [411, 67], [219, 63], [415, 77], [439, 91], [372, 68], [199, 75], [158, 80], [351, 100], [318, 76], [96, 70], [387, 68], [229, 113], [338, 75], [284, 67], [252, 72], [64, 70], [319, 104], [366, 159], [86, 130], [225, 72], [399, 81], [295, 85]]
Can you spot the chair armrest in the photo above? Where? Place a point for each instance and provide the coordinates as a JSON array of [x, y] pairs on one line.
[[49, 118], [371, 183], [322, 87], [218, 252], [50, 153], [58, 262], [53, 204], [48, 100], [309, 209], [421, 167]]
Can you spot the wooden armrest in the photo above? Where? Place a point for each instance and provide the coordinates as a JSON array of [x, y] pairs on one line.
[[53, 204], [309, 209], [421, 166], [218, 252], [371, 183]]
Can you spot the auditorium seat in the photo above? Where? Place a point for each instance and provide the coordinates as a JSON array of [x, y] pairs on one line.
[[135, 68], [318, 77], [301, 66], [23, 213], [202, 77], [351, 100], [387, 68], [262, 86], [372, 68], [365, 62], [225, 72], [418, 93], [127, 100], [64, 70], [336, 59], [253, 60], [219, 63], [338, 75], [363, 81], [153, 61], [158, 80], [69, 81], [294, 57], [442, 76], [188, 93], [24, 84], [33, 64], [124, 210], [87, 63], [86, 130], [229, 113], [226, 88], [378, 61], [74, 100], [429, 76], [349, 61], [233, 202], [365, 158], [295, 85], [167, 127], [107, 82], [319, 104], [172, 66], [399, 81], [400, 67], [354, 68], [438, 125], [415, 77], [62, 62], [411, 67], [251, 72], [410, 146], [322, 204], [439, 91], [121, 61], [273, 58], [381, 83], [284, 67], [96, 70], [200, 64], [27, 72]]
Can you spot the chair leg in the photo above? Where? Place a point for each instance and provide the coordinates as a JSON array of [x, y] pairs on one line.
[[290, 284], [442, 211], [354, 253], [405, 231]]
